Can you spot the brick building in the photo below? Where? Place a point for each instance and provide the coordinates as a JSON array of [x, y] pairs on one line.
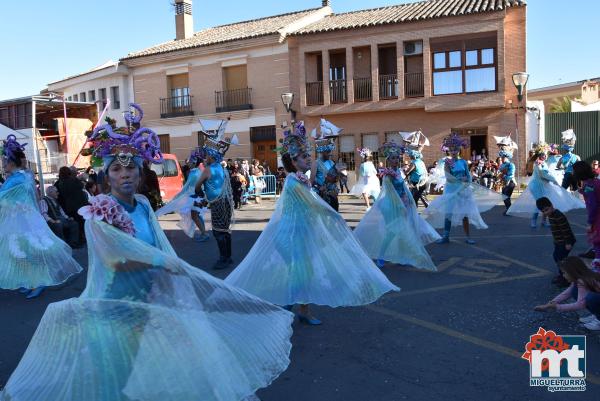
[[437, 65]]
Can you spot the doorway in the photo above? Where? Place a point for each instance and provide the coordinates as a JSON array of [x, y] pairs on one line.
[[264, 145], [477, 141]]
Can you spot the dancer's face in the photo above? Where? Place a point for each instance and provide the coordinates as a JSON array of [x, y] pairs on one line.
[[124, 180], [302, 162], [394, 161]]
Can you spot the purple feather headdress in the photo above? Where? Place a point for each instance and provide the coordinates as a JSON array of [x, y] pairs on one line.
[[391, 149], [454, 142], [10, 146], [295, 142], [126, 143]]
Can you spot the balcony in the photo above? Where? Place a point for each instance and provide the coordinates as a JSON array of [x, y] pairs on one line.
[[233, 100], [413, 84], [337, 91], [363, 89], [388, 86], [314, 93], [176, 106]]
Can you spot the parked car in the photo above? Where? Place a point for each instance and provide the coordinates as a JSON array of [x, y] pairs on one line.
[[170, 176]]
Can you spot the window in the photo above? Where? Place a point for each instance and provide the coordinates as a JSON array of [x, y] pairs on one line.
[[165, 143], [371, 141], [92, 95], [114, 94], [347, 151], [75, 98], [82, 97], [102, 95], [469, 70], [168, 168], [180, 97], [70, 99]]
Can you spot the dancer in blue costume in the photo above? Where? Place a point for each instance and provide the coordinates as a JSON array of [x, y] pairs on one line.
[[463, 201], [32, 256], [217, 190], [568, 160], [289, 263], [553, 161], [386, 232], [188, 204], [326, 176], [506, 169], [543, 184], [148, 326]]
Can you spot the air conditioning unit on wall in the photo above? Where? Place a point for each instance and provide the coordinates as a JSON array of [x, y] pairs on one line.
[[413, 48]]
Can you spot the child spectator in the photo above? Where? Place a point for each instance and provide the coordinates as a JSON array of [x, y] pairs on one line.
[[584, 287], [563, 236]]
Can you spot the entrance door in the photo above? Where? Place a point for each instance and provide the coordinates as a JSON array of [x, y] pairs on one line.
[[265, 150], [477, 141]]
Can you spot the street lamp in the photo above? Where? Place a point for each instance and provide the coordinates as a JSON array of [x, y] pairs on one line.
[[287, 99], [520, 80]]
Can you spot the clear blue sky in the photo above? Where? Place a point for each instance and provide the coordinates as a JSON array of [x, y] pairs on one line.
[[46, 40]]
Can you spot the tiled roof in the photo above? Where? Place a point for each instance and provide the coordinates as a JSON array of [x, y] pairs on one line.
[[226, 33], [411, 12]]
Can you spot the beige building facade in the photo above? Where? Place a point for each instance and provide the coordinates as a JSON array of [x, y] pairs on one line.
[[378, 72]]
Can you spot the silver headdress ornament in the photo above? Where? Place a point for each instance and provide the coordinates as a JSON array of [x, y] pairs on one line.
[[324, 140], [505, 142], [215, 143], [569, 138], [415, 140]]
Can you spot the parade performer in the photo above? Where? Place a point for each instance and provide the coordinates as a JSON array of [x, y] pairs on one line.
[[189, 205], [387, 231], [217, 189], [554, 158], [32, 256], [307, 254], [368, 183], [506, 171], [462, 201], [568, 159], [148, 326], [543, 184], [590, 189], [326, 176], [417, 174]]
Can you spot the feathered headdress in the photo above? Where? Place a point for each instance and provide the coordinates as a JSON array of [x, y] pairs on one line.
[[505, 153], [10, 146], [391, 149], [415, 140], [324, 140], [454, 142], [196, 155], [295, 143], [569, 138], [126, 144], [364, 152], [554, 149], [506, 143]]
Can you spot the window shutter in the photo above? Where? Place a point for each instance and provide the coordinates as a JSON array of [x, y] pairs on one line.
[[371, 141], [347, 143]]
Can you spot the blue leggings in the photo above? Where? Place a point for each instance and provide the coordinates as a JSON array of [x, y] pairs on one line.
[[592, 301]]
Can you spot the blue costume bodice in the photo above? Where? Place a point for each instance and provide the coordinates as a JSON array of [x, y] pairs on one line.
[[398, 183], [508, 169], [419, 171], [214, 185], [568, 160], [323, 168], [460, 169], [16, 178]]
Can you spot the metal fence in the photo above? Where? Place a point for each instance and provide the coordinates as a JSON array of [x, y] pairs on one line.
[[586, 125], [265, 186]]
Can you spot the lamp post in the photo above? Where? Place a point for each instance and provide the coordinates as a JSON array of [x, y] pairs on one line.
[[287, 99], [520, 81]]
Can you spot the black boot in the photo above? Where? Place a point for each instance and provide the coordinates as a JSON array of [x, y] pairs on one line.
[[227, 236], [222, 244]]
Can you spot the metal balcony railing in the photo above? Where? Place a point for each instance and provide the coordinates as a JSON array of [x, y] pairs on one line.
[[337, 91], [314, 93], [413, 84], [176, 106], [233, 100], [363, 89], [388, 86]]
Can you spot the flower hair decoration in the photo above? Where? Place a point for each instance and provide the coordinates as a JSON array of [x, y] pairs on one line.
[[454, 142], [10, 146], [391, 149], [364, 152], [295, 143], [126, 143], [106, 208]]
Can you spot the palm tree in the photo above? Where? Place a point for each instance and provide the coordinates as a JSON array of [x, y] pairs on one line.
[[561, 105]]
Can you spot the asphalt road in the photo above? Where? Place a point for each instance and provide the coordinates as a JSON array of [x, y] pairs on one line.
[[457, 334]]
